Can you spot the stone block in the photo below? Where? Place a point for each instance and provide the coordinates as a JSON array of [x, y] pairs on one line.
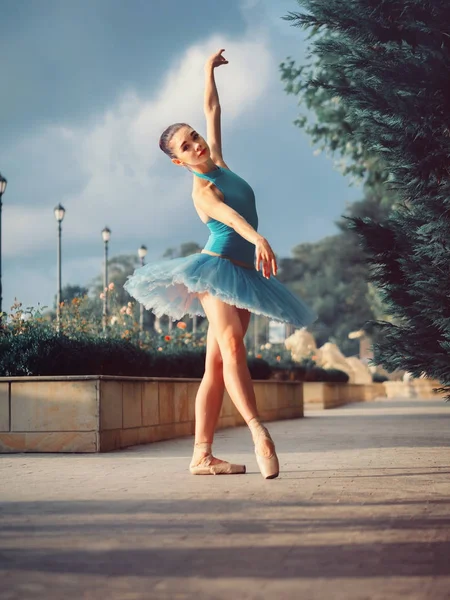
[[238, 420], [111, 416], [164, 432], [192, 387], [132, 403], [372, 391], [183, 429], [266, 395], [290, 412], [424, 388], [146, 435], [314, 393], [294, 394], [270, 414], [342, 394], [225, 422], [12, 442], [4, 406], [281, 392], [150, 403], [129, 437], [356, 392], [49, 441], [166, 402], [109, 440], [228, 408], [181, 402], [54, 406]]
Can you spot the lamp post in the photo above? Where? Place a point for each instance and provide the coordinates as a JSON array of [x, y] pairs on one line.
[[141, 253], [106, 235], [3, 183], [59, 215]]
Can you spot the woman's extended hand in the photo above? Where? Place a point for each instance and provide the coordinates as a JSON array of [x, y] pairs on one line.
[[216, 59], [265, 254]]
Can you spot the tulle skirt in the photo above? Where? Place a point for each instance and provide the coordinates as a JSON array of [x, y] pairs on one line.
[[171, 287]]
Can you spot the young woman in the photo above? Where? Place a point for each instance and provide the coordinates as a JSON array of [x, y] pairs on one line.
[[227, 281]]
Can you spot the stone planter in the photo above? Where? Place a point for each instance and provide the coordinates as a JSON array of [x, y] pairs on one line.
[[100, 413], [414, 388], [331, 395]]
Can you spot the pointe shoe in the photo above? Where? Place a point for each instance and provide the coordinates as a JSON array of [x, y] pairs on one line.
[[268, 465], [205, 466]]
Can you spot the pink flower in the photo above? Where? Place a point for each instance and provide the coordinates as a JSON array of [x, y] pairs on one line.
[[129, 311], [102, 296], [111, 286], [123, 310]]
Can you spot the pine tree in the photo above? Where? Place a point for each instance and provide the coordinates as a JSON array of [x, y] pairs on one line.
[[396, 54]]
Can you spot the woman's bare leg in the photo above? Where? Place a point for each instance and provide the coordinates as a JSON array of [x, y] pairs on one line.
[[209, 399], [227, 328]]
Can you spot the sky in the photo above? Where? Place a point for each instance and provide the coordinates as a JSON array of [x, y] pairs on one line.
[[87, 88]]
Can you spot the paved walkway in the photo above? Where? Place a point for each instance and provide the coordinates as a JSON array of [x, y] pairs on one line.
[[361, 510]]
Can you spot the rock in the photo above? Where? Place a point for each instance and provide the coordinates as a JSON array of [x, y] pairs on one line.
[[361, 373], [301, 344], [330, 357]]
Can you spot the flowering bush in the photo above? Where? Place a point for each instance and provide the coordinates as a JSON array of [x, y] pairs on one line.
[[31, 343]]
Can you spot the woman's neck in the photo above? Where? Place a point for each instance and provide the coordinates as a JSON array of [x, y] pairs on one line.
[[205, 167]]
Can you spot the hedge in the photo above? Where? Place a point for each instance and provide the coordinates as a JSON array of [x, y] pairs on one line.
[[39, 351], [43, 352]]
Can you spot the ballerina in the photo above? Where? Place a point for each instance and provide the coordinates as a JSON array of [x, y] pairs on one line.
[[233, 276]]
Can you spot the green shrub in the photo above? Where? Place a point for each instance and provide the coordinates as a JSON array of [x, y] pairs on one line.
[[336, 376], [259, 368], [41, 351], [379, 378], [310, 373]]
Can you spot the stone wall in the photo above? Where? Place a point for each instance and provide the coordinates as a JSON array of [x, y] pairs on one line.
[[332, 395], [414, 388], [98, 414]]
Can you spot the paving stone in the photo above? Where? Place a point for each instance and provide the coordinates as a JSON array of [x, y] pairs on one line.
[[361, 510]]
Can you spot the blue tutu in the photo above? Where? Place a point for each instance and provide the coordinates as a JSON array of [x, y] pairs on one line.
[[171, 287]]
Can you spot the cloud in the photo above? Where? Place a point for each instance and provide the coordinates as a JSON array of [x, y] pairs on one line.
[[268, 14], [111, 170]]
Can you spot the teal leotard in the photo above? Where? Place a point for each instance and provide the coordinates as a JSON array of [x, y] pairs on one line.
[[238, 195]]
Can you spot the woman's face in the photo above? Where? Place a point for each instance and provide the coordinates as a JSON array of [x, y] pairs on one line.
[[189, 147]]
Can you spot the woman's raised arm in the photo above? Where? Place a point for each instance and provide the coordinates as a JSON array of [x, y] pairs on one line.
[[212, 108]]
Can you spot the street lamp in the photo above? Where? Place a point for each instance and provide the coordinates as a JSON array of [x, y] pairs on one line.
[[141, 253], [106, 235], [3, 183], [59, 215]]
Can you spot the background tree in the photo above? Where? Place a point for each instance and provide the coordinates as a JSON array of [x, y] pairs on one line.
[[185, 249], [119, 268], [336, 268], [68, 293], [396, 55]]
